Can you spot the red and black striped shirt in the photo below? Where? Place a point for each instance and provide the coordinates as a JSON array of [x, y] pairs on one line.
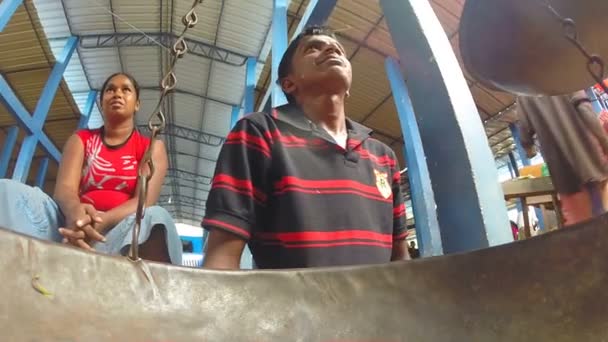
[[300, 199]]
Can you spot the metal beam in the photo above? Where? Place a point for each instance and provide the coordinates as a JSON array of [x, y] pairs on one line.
[[195, 47], [28, 146], [185, 92], [7, 9], [460, 162], [190, 134], [250, 81], [190, 176], [43, 167], [191, 184], [88, 109], [23, 117], [316, 13], [182, 199], [234, 116], [7, 149], [422, 196], [279, 45]]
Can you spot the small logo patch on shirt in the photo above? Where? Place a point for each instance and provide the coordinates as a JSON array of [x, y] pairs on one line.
[[382, 184]]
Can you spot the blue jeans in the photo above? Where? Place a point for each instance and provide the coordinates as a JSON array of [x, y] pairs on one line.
[[28, 210]]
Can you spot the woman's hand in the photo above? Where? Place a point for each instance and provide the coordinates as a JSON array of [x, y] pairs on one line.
[[84, 224]]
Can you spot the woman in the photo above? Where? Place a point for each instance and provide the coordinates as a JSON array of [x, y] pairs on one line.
[[95, 195]]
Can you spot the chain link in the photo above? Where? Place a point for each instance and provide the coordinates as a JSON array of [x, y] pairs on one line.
[[595, 63], [157, 122]]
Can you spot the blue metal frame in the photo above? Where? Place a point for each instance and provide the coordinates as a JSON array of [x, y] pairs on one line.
[[42, 170], [471, 209], [88, 109], [316, 13], [7, 149], [7, 9], [36, 121], [249, 98], [523, 156], [279, 45], [234, 116], [422, 196]]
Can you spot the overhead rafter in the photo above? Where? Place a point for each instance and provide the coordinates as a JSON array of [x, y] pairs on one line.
[[195, 47], [190, 134]]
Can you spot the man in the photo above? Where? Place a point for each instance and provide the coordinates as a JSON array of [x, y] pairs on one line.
[[304, 185], [573, 145]]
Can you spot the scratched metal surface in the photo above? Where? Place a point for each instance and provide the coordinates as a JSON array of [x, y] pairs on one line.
[[550, 288]]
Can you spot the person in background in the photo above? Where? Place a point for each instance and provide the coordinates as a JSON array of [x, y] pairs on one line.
[[305, 186], [95, 195], [414, 252], [574, 147]]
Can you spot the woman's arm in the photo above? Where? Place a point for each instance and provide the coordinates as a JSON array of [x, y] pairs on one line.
[[114, 216], [78, 216], [68, 175]]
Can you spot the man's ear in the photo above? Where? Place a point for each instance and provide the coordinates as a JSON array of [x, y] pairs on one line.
[[288, 85], [137, 105]]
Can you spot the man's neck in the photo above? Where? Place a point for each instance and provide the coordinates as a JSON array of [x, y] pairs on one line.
[[117, 132], [326, 111]]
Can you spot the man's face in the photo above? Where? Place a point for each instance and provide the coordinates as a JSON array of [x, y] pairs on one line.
[[319, 64]]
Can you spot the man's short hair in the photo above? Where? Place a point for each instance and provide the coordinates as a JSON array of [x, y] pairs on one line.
[[287, 59]]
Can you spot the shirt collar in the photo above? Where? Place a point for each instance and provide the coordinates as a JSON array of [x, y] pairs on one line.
[[293, 116]]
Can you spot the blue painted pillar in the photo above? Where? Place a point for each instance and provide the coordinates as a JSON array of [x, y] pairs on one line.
[[250, 81], [88, 109], [513, 165], [234, 116], [511, 171], [523, 156], [7, 9], [595, 101], [423, 198], [317, 12], [279, 45], [42, 170], [7, 149], [471, 210], [28, 147]]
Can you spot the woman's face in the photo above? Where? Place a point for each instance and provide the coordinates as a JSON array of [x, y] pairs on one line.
[[119, 98]]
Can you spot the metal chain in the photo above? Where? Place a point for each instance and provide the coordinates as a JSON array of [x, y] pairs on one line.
[[156, 123], [595, 63]]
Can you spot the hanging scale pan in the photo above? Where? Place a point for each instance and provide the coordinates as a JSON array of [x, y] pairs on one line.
[[535, 47]]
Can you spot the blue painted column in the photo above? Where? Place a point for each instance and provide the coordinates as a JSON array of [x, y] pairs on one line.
[[513, 165], [521, 151], [279, 45], [471, 209], [28, 146], [88, 109], [234, 116], [7, 149], [42, 170], [317, 12], [7, 9], [24, 118], [249, 98], [423, 198]]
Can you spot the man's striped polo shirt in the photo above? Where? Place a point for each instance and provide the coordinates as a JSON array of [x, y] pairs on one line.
[[299, 199]]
